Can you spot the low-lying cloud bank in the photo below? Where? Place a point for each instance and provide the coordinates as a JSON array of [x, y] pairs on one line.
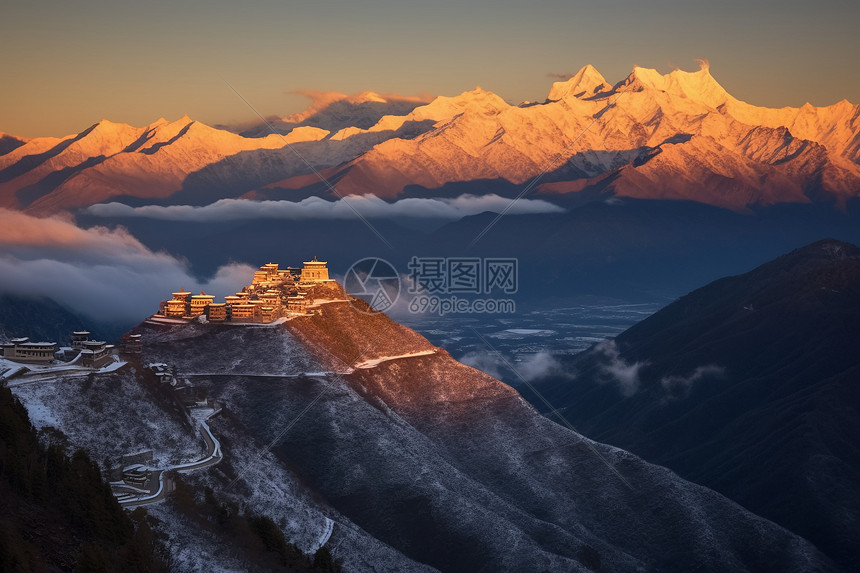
[[368, 206], [103, 274]]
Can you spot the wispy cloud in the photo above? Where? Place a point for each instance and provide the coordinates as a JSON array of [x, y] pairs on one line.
[[538, 365], [484, 361], [624, 374], [677, 386], [102, 273], [368, 206], [530, 367]]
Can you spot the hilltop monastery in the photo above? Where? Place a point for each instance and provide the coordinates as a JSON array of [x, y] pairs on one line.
[[273, 293]]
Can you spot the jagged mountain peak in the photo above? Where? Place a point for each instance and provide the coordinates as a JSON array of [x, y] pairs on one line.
[[587, 82], [479, 94], [162, 123], [106, 126], [158, 123], [103, 138], [366, 96], [475, 99], [699, 86]]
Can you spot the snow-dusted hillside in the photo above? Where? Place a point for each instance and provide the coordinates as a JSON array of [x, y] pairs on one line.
[[444, 464], [354, 432], [114, 415], [109, 415]]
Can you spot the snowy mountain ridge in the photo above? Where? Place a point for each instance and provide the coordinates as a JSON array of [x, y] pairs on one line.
[[679, 135]]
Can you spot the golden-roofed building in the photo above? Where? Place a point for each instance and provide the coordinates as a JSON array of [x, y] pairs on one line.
[[269, 276], [179, 305], [244, 312], [314, 271], [217, 312], [297, 303], [199, 302], [268, 313]]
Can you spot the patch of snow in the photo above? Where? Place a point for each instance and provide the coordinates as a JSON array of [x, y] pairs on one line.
[[276, 322], [112, 367], [164, 320], [370, 363], [41, 415], [324, 536], [7, 372]]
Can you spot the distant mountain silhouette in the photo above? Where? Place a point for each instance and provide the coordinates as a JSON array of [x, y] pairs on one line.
[[37, 319], [334, 111], [748, 386], [9, 143]]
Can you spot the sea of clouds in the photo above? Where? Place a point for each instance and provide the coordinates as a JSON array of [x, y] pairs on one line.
[[101, 273], [367, 206]]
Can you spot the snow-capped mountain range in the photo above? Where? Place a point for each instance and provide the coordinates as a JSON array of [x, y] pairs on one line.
[[675, 136]]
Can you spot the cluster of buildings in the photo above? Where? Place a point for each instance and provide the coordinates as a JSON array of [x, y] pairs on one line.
[[93, 353], [83, 351], [272, 294]]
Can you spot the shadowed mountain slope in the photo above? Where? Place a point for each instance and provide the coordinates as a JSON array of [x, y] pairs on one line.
[[748, 386]]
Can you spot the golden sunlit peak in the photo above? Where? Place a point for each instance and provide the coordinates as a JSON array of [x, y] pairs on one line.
[[586, 82]]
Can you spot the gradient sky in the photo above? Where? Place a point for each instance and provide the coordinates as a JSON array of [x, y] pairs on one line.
[[66, 65]]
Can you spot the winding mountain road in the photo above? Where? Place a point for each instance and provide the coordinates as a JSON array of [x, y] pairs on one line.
[[214, 455]]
